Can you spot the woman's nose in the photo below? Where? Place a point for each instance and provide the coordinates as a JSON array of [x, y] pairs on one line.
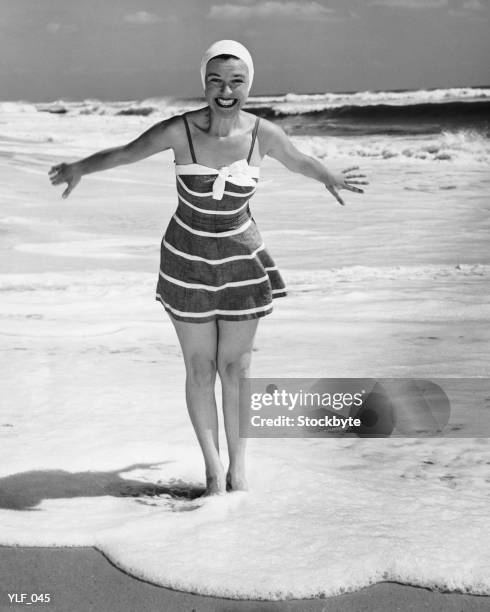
[[226, 89]]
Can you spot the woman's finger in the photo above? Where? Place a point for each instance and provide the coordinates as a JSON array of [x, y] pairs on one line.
[[335, 195], [351, 188], [72, 183], [56, 168], [356, 182], [350, 169], [357, 176]]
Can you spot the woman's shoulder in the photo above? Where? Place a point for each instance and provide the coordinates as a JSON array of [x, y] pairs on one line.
[[266, 130], [174, 127], [265, 125], [168, 126], [269, 132]]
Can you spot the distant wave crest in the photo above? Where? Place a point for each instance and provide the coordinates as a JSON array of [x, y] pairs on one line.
[[368, 103], [357, 104], [450, 146]]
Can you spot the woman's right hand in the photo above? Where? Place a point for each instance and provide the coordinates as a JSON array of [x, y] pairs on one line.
[[65, 173]]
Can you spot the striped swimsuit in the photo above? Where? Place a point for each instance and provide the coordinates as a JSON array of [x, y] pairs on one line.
[[214, 264]]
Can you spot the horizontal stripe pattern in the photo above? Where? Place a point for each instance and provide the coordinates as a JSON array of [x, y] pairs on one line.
[[211, 262], [200, 170], [230, 314], [204, 194], [224, 234], [242, 283], [214, 263], [234, 211]]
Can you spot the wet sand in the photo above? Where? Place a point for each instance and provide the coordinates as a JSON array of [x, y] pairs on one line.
[[83, 580]]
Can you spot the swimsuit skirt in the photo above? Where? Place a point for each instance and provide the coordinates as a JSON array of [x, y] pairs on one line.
[[213, 261]]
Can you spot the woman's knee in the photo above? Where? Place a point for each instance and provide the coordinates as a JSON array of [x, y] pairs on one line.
[[201, 370], [234, 368]]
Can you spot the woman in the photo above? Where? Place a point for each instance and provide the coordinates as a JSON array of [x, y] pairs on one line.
[[216, 276]]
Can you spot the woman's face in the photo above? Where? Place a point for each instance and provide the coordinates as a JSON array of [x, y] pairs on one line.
[[226, 85]]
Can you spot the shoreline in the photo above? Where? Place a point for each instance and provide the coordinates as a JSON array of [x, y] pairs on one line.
[[83, 579]]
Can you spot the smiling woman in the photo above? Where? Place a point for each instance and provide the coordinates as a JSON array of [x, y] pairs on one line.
[[217, 278]]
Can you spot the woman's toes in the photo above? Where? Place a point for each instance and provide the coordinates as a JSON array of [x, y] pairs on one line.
[[215, 485], [236, 482]]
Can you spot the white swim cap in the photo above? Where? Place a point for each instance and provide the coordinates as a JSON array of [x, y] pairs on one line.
[[228, 47]]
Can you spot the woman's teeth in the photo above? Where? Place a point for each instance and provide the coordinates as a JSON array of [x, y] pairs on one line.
[[224, 102]]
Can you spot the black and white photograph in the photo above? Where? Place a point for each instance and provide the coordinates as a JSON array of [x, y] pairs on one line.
[[245, 305]]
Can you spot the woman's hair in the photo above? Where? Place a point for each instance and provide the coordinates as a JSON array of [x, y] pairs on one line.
[[224, 56]]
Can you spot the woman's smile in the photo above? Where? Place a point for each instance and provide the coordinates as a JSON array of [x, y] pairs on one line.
[[226, 102]]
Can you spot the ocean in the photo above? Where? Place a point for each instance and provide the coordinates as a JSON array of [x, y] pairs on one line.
[[439, 124]]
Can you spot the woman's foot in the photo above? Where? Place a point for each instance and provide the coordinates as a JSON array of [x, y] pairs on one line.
[[215, 484], [236, 481]]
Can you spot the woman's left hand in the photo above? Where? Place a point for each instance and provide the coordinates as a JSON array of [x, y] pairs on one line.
[[345, 180]]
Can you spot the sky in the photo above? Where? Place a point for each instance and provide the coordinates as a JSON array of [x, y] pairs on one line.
[[136, 49]]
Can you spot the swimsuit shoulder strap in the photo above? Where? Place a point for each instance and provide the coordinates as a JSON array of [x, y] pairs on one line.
[[189, 139], [254, 136]]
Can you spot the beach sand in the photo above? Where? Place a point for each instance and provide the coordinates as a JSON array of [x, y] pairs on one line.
[[83, 580]]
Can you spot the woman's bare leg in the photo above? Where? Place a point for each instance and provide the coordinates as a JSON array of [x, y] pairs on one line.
[[199, 347], [235, 343]]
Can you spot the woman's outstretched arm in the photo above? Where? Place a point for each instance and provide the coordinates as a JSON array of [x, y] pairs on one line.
[[278, 146], [159, 137]]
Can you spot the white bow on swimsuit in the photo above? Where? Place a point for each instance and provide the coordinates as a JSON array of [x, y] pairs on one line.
[[239, 174]]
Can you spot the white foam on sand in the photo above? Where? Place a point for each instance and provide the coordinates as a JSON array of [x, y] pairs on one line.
[[97, 450]]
